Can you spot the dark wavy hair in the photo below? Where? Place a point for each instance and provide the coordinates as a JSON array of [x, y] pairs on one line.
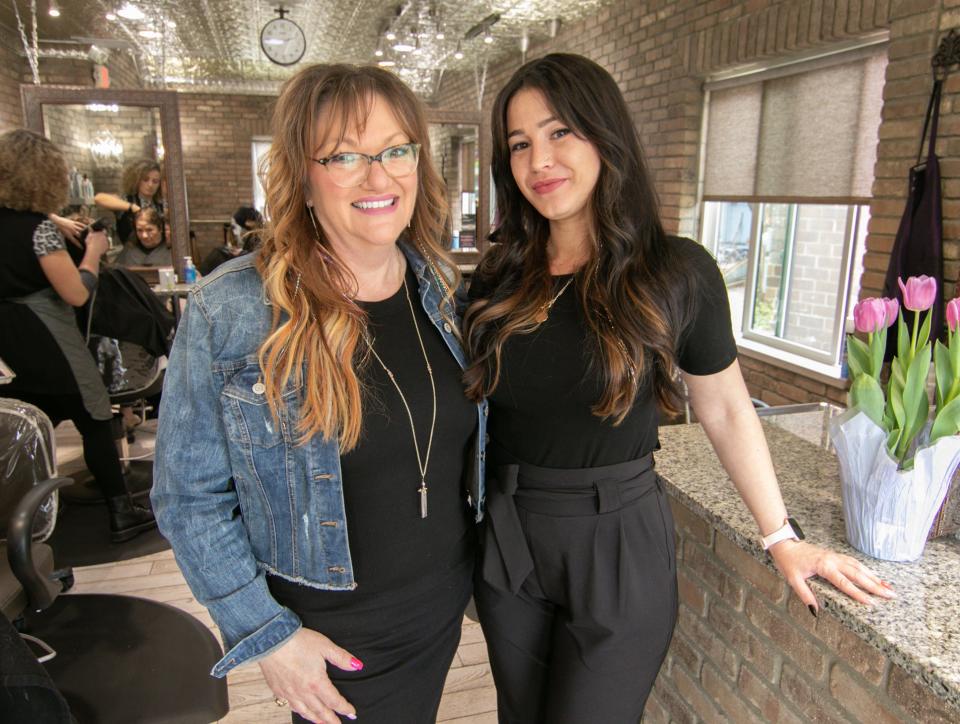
[[633, 290]]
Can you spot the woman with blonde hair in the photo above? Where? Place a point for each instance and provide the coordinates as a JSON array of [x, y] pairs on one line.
[[40, 284], [317, 460], [142, 189]]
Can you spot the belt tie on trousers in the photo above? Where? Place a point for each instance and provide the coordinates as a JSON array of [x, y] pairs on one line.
[[507, 560]]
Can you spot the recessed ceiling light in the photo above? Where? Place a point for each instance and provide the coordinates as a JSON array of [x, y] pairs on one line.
[[488, 38], [53, 10], [458, 53], [149, 34], [403, 46], [390, 35], [129, 11], [386, 63]]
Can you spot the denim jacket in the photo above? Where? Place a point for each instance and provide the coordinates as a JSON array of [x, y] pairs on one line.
[[233, 493]]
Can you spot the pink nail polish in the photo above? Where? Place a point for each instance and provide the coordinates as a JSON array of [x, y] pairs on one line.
[[356, 664], [351, 717]]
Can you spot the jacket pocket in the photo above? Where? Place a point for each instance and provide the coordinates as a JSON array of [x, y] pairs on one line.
[[248, 417]]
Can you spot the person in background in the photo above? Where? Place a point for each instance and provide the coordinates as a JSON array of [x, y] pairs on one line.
[[585, 318], [318, 466], [245, 228], [39, 338], [141, 190], [149, 247]]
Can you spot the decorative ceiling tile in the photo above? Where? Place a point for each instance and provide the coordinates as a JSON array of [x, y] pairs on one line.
[[215, 44]]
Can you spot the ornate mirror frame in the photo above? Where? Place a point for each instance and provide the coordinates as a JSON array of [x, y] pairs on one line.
[[35, 97]]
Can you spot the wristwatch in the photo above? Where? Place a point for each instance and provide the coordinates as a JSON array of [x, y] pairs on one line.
[[789, 531]]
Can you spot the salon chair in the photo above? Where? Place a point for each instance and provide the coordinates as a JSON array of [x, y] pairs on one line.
[[117, 658]]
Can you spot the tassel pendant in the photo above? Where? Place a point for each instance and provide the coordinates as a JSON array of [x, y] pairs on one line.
[[423, 499]]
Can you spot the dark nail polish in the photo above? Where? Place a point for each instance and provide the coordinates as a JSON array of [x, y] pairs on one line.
[[813, 610]]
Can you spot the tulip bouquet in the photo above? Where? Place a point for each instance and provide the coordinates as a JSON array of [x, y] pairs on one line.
[[896, 460], [904, 411]]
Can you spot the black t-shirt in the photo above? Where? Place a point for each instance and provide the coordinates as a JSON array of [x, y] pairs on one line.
[[390, 545], [25, 237], [540, 411]]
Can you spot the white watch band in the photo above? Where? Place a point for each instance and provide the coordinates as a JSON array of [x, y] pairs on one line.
[[784, 533]]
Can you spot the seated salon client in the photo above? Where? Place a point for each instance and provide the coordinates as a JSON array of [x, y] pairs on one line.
[[142, 189], [583, 316], [148, 248], [39, 337], [317, 459]]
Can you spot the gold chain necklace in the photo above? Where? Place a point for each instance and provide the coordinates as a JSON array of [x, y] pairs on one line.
[[422, 463], [543, 312]]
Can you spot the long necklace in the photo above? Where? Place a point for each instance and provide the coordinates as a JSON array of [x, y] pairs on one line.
[[424, 462], [543, 312]]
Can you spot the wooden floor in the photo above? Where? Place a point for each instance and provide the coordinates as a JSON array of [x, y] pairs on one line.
[[468, 696]]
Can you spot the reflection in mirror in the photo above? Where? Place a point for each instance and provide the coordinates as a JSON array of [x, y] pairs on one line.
[[457, 157], [100, 140], [102, 132]]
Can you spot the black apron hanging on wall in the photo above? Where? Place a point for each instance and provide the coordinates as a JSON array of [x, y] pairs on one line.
[[918, 248]]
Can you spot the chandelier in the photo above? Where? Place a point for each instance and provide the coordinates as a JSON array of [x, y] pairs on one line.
[[106, 150]]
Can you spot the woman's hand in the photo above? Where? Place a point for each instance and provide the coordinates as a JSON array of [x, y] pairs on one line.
[[297, 673], [798, 561], [70, 228], [97, 244]]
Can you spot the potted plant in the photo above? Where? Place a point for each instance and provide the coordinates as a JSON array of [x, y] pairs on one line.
[[897, 459]]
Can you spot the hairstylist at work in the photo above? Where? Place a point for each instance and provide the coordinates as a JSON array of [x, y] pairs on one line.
[[39, 337], [583, 316], [317, 459], [141, 190]]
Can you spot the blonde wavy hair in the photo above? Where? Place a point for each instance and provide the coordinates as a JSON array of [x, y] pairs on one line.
[[317, 329], [136, 172], [33, 173]]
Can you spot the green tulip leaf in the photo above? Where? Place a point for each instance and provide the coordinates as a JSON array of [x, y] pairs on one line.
[[858, 358], [944, 372], [866, 394], [903, 340], [924, 335], [877, 349], [947, 421], [916, 405]]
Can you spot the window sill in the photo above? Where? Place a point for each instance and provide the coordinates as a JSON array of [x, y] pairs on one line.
[[827, 374]]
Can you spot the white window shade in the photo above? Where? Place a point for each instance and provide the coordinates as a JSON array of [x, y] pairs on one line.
[[810, 134]]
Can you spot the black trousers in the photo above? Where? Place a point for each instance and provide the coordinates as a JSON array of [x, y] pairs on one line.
[[577, 591], [405, 639], [99, 450]]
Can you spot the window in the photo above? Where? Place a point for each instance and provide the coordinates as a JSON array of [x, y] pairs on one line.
[[787, 170]]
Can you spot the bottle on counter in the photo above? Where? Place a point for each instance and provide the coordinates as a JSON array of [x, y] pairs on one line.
[[189, 271]]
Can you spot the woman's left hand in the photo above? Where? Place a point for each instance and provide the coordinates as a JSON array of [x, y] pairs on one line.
[[798, 561], [70, 228]]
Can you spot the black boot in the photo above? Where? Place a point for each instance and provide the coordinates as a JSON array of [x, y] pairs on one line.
[[127, 519]]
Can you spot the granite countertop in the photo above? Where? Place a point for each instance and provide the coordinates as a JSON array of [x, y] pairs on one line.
[[918, 630]]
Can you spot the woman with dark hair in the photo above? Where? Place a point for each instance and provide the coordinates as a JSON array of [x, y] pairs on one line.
[[142, 189], [584, 318], [148, 247], [317, 459], [39, 339]]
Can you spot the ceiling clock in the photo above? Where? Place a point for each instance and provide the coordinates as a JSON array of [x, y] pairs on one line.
[[282, 40]]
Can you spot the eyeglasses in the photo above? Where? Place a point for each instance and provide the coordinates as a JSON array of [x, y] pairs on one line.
[[348, 170]]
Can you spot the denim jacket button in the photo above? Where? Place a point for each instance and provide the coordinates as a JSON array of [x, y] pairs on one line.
[[259, 388], [447, 328]]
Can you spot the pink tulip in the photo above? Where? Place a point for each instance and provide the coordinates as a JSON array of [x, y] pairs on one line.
[[953, 314], [919, 292], [869, 315], [893, 309]]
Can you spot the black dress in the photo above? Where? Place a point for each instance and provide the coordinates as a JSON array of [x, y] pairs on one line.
[[577, 595], [414, 575]]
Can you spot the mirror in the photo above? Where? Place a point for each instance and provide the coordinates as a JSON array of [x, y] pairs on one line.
[[460, 155], [101, 131]]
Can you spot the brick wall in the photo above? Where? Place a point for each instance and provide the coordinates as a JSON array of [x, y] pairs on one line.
[[11, 111], [217, 132], [659, 52], [746, 650]]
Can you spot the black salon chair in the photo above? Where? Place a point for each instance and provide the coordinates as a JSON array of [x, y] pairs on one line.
[[118, 658]]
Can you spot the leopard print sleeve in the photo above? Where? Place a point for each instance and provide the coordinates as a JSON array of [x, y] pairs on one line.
[[47, 238]]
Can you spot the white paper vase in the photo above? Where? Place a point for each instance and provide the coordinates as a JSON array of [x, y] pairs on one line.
[[888, 512]]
